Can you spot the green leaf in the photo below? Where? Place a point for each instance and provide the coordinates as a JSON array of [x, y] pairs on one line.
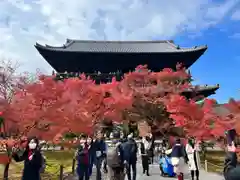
[[200, 102]]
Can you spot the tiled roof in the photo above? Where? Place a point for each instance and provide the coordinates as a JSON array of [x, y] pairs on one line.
[[121, 46], [203, 88], [199, 92]]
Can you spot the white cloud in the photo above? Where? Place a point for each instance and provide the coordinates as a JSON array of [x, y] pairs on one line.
[[236, 15], [23, 22]]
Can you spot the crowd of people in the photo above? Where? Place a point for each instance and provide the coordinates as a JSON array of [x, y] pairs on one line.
[[119, 159]]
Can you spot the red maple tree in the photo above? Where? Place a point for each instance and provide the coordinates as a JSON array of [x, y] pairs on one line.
[[156, 97], [48, 107], [233, 113], [10, 82]]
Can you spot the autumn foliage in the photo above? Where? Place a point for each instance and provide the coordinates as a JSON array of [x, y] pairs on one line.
[[49, 108]]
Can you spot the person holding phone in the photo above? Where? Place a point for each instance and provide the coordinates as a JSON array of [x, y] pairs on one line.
[[231, 167], [32, 158], [192, 150]]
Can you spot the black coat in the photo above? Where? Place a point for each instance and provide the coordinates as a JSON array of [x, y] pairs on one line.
[[231, 168], [99, 145], [130, 149], [31, 170]]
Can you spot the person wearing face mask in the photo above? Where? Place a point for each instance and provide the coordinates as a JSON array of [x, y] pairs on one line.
[[193, 156], [32, 158], [91, 154], [145, 145], [83, 160]]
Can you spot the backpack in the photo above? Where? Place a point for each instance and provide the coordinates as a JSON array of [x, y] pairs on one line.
[[113, 159], [43, 164]]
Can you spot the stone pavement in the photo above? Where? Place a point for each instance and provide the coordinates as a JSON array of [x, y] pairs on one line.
[[155, 175]]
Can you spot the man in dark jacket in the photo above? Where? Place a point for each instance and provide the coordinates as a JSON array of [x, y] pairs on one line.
[[130, 156], [100, 149], [231, 168]]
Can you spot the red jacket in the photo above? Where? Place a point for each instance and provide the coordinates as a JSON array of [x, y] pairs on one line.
[[83, 154], [86, 154]]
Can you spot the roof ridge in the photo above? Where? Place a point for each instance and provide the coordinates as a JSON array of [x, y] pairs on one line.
[[136, 41]]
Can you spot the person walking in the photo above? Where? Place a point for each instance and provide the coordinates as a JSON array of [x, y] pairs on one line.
[[179, 159], [104, 163], [145, 145], [130, 156], [83, 160], [100, 153], [91, 152], [151, 149], [115, 158], [33, 160], [193, 157]]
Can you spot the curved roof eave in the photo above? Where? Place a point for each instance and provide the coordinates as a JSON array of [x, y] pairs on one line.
[[204, 88], [202, 48]]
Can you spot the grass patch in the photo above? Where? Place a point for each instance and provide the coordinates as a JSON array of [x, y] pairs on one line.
[[53, 161]]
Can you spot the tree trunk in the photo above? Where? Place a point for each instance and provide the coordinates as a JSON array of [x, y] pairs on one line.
[[5, 174]]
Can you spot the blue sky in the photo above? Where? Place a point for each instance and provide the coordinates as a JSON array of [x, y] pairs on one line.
[[220, 63], [187, 22]]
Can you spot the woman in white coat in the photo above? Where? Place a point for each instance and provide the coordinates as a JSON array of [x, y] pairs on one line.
[[192, 150]]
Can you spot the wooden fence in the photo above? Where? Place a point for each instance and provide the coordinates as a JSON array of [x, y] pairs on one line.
[[59, 174]]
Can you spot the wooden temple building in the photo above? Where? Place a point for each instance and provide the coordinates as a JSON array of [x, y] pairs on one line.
[[104, 59]]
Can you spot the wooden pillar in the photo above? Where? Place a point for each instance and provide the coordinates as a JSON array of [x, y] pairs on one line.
[[61, 172], [206, 165], [73, 165]]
